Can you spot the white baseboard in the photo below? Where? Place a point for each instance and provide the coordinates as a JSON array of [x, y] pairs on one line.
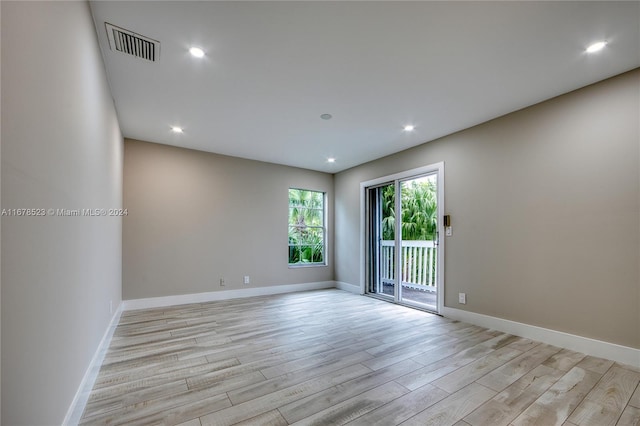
[[355, 289], [212, 296], [599, 348], [82, 395]]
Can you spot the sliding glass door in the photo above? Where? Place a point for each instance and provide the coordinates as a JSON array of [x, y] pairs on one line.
[[403, 259], [419, 242], [381, 242]]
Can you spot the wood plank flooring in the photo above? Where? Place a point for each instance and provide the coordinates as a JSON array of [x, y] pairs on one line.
[[332, 358]]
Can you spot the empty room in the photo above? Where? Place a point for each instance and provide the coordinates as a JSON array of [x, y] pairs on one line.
[[320, 212]]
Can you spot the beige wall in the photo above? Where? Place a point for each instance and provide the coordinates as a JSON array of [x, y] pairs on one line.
[[544, 205], [0, 226], [61, 148], [195, 217], [0, 223]]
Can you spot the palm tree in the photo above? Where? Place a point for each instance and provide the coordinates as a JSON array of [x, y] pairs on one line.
[[419, 211], [419, 217], [388, 212], [306, 226]]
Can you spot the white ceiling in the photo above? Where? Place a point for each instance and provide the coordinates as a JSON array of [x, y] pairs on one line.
[[272, 68]]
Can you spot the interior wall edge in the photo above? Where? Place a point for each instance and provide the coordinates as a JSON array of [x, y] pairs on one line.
[[74, 413], [351, 288]]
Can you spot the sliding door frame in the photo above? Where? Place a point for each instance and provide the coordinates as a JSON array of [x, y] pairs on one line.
[[438, 169]]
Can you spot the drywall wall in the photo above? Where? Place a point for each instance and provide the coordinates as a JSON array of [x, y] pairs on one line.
[[544, 204], [0, 223], [195, 217], [61, 149]]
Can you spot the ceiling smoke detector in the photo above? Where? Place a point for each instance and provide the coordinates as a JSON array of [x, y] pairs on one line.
[[134, 44]]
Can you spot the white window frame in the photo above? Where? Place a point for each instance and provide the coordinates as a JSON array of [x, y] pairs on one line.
[[323, 228]]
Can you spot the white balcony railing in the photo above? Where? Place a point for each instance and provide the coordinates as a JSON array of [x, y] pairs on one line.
[[419, 264]]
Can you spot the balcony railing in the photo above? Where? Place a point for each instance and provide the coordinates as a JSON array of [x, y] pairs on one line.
[[419, 264]]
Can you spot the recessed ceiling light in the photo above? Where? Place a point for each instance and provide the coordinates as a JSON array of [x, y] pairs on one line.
[[409, 128], [331, 160], [197, 52], [326, 116], [176, 129], [596, 47]]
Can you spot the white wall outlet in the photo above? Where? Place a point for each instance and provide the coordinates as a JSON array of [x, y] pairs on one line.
[[246, 279], [221, 282], [448, 232], [462, 298]]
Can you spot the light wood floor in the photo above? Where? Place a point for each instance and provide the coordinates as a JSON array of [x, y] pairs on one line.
[[331, 358]]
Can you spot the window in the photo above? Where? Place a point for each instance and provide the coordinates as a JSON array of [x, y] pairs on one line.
[[306, 227]]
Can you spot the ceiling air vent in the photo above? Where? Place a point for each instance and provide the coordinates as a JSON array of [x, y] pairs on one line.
[[128, 42]]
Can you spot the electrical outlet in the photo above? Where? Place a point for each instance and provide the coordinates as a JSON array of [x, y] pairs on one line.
[[221, 282], [246, 279], [462, 298], [448, 232]]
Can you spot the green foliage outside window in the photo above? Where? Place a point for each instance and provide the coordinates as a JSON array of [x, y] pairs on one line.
[[419, 211], [419, 204], [306, 227]]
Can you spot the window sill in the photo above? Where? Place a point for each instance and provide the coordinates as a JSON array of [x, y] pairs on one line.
[[307, 265]]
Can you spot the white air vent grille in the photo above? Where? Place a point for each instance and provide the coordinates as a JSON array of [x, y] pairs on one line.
[[130, 43]]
